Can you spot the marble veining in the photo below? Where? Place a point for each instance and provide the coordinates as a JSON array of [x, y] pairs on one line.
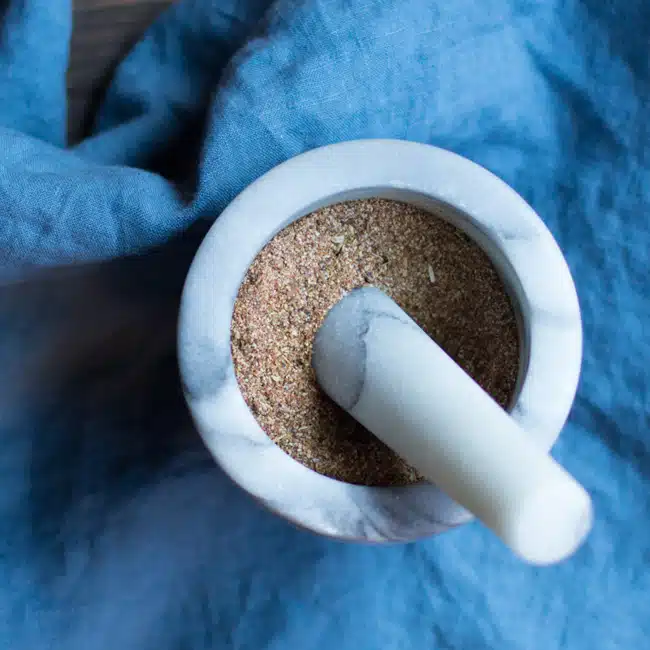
[[443, 183], [347, 329]]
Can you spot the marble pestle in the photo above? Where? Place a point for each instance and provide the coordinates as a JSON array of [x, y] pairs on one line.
[[375, 362]]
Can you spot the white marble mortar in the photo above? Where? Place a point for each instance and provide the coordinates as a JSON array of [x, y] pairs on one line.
[[449, 186]]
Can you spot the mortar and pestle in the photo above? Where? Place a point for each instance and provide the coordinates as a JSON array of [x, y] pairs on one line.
[[378, 365]]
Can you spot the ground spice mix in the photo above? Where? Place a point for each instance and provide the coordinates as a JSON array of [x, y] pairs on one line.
[[435, 272]]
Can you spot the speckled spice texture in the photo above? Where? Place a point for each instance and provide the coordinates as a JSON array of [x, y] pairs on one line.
[[443, 280]]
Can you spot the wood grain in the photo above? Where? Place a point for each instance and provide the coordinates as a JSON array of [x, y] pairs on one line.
[[103, 33]]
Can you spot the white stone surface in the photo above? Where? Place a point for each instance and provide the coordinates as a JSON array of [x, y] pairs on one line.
[[375, 362], [443, 183]]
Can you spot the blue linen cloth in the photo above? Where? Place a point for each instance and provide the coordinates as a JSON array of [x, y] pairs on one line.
[[116, 528]]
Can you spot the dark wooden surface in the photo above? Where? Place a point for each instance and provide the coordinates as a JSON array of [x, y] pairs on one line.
[[104, 31]]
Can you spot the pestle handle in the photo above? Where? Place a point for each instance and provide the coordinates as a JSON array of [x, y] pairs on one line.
[[375, 362]]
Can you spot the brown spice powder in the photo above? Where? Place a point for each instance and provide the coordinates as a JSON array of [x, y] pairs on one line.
[[435, 272]]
